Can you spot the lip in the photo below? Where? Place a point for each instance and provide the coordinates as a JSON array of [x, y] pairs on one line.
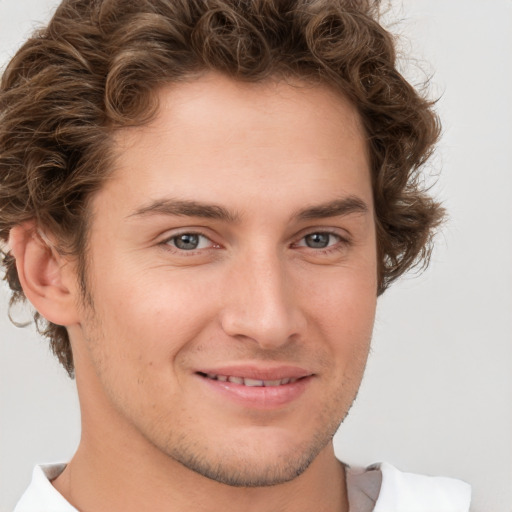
[[258, 372], [258, 397]]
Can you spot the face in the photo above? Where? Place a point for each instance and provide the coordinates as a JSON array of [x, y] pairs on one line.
[[232, 275]]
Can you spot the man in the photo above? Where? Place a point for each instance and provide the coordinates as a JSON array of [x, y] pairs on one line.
[[202, 201]]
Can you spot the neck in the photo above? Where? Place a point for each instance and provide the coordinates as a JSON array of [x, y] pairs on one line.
[[122, 478]]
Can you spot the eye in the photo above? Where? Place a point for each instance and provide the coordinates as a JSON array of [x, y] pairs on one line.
[[189, 241], [319, 240]]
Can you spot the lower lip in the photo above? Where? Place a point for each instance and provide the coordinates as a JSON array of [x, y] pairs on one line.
[[259, 397]]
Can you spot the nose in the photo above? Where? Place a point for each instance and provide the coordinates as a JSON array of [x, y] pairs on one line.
[[261, 303]]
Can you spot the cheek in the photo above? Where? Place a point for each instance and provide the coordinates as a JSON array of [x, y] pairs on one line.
[[151, 319], [343, 311], [344, 298]]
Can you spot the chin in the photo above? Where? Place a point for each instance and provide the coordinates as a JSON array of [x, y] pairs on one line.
[[264, 462], [243, 472]]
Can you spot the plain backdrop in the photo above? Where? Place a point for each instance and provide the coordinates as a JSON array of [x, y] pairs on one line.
[[437, 395]]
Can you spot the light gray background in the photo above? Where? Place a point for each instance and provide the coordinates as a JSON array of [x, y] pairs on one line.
[[437, 394]]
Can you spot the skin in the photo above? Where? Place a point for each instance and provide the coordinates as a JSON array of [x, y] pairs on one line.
[[287, 167]]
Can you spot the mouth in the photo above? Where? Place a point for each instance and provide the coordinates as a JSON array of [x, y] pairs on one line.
[[250, 382], [257, 387]]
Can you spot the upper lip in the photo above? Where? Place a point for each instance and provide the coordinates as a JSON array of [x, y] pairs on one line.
[[258, 372]]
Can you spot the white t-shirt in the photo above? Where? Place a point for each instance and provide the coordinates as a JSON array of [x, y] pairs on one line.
[[378, 488]]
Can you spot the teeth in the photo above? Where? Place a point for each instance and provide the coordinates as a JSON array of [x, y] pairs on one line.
[[252, 382], [270, 383]]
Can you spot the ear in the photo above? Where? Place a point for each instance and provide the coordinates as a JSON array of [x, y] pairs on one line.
[[47, 277]]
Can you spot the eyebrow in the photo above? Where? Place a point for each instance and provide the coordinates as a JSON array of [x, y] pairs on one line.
[[336, 208], [186, 208]]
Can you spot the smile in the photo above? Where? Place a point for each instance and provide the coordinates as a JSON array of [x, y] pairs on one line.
[[245, 381], [257, 386]]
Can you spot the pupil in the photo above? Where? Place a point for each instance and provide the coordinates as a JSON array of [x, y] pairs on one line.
[[187, 241], [317, 240]]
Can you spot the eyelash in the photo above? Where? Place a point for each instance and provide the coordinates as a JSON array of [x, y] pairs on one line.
[[342, 242], [168, 241]]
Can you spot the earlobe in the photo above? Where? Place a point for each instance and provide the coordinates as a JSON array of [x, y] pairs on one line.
[[44, 274]]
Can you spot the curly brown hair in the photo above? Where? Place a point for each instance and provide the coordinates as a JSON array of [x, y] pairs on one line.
[[95, 67]]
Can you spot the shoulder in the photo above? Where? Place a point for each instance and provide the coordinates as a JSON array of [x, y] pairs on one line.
[[385, 488], [378, 488], [40, 495]]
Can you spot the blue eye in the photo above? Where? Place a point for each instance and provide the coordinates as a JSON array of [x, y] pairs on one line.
[[189, 241], [320, 240]]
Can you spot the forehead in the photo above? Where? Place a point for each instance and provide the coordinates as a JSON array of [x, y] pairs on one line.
[[212, 105], [214, 133]]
